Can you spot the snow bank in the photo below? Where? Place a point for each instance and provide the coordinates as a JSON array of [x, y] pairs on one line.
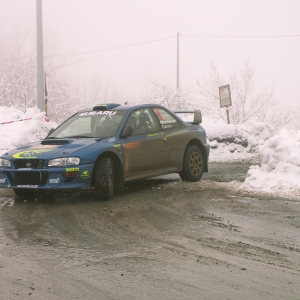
[[278, 155], [18, 128], [279, 169], [232, 143]]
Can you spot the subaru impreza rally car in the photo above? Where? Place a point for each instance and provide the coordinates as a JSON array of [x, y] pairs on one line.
[[106, 146]]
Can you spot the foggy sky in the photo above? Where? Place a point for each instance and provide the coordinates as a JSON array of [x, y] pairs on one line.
[[91, 26]]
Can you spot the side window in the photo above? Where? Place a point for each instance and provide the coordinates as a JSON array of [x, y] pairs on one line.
[[142, 122], [166, 120]]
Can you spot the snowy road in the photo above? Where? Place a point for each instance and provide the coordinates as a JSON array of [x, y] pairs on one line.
[[162, 239]]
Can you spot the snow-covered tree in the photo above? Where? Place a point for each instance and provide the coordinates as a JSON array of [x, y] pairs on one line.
[[18, 87], [16, 82], [170, 97], [296, 118], [98, 90], [247, 103]]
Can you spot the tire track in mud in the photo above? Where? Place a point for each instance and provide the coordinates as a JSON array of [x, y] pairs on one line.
[[152, 225], [163, 239]]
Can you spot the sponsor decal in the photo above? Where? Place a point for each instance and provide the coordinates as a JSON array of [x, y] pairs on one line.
[[27, 186], [72, 169], [94, 113], [158, 113], [167, 121], [30, 153], [132, 145], [2, 181], [155, 134], [85, 174], [54, 180], [166, 126], [111, 140]]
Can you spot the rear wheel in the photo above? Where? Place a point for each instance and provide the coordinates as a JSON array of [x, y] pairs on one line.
[[193, 165], [22, 193], [104, 178]]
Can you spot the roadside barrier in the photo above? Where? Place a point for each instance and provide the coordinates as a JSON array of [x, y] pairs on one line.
[[3, 123]]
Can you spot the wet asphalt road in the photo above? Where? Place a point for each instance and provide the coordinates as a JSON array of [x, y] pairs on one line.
[[161, 239]]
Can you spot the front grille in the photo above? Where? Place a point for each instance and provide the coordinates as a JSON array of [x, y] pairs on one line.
[[29, 163], [31, 178]]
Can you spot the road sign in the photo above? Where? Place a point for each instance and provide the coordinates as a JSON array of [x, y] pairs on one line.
[[225, 96]]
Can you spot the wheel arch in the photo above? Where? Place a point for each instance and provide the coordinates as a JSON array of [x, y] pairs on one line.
[[118, 169], [197, 143]]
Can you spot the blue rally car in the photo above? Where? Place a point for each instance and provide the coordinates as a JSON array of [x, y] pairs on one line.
[[106, 146]]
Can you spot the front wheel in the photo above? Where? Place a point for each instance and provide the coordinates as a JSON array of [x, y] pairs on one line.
[[104, 178], [193, 165]]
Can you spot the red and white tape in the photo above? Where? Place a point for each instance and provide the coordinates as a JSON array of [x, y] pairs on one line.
[[3, 123]]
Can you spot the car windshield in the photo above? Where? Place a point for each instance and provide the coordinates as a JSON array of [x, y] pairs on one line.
[[90, 124]]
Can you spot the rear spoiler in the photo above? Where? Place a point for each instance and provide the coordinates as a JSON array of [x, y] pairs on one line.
[[197, 115]]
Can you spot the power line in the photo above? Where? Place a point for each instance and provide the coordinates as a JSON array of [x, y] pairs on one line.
[[241, 36], [161, 39], [113, 48], [99, 50]]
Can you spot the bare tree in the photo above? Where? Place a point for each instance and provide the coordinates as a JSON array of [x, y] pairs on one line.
[[247, 103], [18, 88], [296, 118], [170, 97], [16, 78], [99, 90], [64, 98]]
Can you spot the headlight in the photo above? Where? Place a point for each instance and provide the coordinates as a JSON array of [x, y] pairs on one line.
[[5, 163], [64, 161]]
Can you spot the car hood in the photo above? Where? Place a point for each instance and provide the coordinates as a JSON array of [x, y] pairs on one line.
[[47, 149]]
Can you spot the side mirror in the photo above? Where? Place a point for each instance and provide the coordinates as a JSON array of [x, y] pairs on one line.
[[50, 131], [197, 117], [127, 132]]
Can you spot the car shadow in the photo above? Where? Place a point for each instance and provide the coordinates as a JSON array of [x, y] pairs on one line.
[[142, 185], [54, 197]]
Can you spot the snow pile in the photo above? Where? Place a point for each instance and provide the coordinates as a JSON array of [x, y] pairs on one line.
[[279, 170], [232, 143], [18, 128]]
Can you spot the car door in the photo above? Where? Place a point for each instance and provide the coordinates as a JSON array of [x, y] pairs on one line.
[[146, 152], [175, 135]]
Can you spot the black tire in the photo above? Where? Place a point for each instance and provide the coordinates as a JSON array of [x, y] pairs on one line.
[[193, 165], [119, 178], [23, 193], [104, 178]]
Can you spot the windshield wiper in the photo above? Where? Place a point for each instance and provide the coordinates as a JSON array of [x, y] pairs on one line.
[[77, 137]]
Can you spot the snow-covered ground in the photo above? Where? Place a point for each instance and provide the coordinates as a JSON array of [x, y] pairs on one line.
[[275, 156]]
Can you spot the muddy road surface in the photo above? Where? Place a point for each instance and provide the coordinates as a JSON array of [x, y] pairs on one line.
[[161, 239]]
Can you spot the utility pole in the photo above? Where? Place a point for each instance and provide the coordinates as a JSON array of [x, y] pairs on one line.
[[177, 81], [40, 57]]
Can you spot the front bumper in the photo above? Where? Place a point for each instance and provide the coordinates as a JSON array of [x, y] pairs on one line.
[[70, 177]]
